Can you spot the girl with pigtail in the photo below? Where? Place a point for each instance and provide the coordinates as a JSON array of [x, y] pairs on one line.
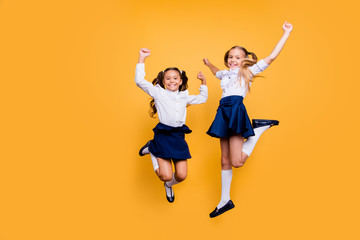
[[232, 124], [170, 98]]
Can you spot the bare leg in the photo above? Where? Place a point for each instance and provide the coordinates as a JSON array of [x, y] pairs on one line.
[[165, 171], [237, 156], [225, 154], [180, 170]]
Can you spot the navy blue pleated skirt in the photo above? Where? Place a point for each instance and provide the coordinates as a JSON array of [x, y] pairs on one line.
[[169, 142], [231, 118]]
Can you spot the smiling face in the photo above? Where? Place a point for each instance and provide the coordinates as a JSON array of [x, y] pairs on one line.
[[235, 58], [172, 80]]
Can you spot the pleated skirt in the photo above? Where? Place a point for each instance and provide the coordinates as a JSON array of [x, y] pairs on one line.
[[169, 142], [231, 118]]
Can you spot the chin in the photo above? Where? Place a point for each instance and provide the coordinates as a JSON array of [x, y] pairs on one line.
[[173, 89]]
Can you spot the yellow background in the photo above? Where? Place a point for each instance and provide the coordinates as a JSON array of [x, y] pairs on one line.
[[72, 120]]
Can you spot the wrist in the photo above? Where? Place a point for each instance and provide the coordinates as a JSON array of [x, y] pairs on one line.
[[141, 59], [286, 33]]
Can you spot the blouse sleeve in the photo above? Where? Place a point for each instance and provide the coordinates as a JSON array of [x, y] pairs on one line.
[[258, 67], [140, 81], [220, 74], [198, 99]]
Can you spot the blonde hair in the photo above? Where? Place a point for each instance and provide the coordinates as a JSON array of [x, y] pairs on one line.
[[247, 62]]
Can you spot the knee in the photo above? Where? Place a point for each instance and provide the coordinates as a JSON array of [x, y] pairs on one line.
[[225, 162], [180, 176], [238, 164], [164, 176]]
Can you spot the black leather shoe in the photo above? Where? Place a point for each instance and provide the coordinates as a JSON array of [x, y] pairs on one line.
[[229, 205], [141, 149], [264, 122], [172, 197]]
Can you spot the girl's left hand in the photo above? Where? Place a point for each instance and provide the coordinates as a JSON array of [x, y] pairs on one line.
[[201, 77], [287, 27]]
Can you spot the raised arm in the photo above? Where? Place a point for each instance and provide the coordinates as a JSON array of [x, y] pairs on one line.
[[287, 27], [213, 68], [202, 97], [140, 74]]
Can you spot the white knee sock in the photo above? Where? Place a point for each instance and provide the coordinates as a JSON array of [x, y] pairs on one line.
[[226, 177], [250, 143], [154, 162], [172, 181]]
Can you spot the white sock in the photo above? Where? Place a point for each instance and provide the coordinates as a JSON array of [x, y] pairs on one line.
[[169, 190], [172, 182], [250, 143], [154, 162], [145, 150], [226, 177]]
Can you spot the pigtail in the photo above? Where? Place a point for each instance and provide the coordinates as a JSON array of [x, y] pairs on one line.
[[157, 80], [184, 79], [152, 110], [245, 72]]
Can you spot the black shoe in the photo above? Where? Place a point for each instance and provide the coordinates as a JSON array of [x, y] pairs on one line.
[[141, 149], [172, 197], [229, 205], [264, 122]]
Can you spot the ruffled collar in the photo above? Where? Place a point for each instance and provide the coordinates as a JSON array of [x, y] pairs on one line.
[[177, 91], [236, 70]]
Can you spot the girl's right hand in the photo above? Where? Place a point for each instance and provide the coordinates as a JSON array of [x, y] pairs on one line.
[[206, 61], [287, 27], [144, 52]]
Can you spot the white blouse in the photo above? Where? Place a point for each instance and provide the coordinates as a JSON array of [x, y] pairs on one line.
[[229, 79], [171, 106]]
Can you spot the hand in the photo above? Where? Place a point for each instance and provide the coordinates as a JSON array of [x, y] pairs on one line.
[[206, 61], [287, 27], [201, 77], [144, 52]]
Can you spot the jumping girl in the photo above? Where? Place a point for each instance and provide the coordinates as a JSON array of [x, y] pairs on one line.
[[232, 124], [170, 99]]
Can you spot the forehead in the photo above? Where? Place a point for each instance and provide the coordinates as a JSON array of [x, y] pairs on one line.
[[236, 52], [172, 73]]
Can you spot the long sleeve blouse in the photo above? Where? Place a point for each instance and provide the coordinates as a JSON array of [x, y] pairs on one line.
[[230, 83], [171, 106]]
